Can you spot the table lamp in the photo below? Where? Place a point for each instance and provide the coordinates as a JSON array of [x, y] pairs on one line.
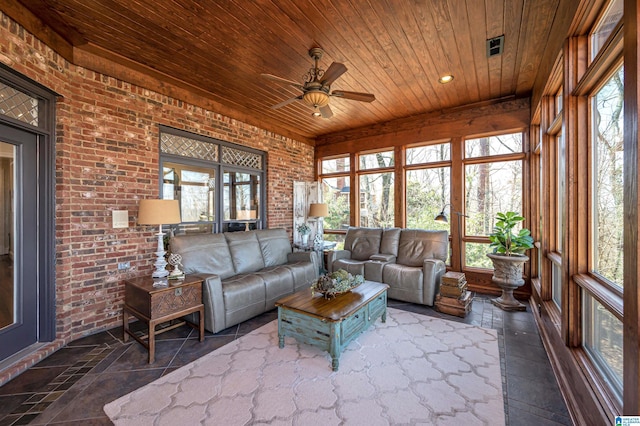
[[318, 211], [159, 212]]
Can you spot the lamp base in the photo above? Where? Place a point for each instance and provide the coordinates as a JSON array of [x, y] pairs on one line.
[[160, 274], [161, 263]]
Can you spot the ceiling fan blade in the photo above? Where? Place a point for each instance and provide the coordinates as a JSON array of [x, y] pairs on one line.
[[354, 96], [326, 112], [332, 73], [282, 80], [287, 102]]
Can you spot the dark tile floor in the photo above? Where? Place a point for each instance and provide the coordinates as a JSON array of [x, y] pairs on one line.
[[71, 386]]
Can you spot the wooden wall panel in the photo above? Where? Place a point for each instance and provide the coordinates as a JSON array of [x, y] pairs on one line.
[[495, 117]]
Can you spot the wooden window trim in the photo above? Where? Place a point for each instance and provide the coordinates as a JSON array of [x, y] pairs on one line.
[[556, 125], [606, 62], [611, 300], [434, 165], [495, 158]]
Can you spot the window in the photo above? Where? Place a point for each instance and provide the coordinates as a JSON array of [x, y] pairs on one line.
[[376, 184], [376, 200], [605, 25], [336, 190], [602, 339], [428, 181], [191, 167], [607, 179], [557, 171], [194, 186], [493, 183]]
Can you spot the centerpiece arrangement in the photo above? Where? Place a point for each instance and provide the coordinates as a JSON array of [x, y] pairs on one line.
[[335, 283]]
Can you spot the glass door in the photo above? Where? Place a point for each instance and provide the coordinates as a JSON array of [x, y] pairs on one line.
[[18, 240]]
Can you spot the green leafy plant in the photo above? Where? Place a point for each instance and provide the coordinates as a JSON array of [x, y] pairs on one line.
[[504, 240], [304, 229]]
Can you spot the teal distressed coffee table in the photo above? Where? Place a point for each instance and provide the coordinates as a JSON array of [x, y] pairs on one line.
[[331, 324]]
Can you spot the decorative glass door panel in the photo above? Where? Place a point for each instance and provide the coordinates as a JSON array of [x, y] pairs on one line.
[[7, 221], [194, 187], [241, 200]]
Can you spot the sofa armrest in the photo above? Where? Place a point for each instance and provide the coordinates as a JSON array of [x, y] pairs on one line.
[[300, 256], [432, 271], [334, 255], [214, 311], [373, 270], [304, 256]]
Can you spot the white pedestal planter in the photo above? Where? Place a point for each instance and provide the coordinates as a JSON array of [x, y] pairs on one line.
[[507, 275]]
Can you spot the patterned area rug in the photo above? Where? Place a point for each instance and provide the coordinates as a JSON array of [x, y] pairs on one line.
[[413, 369]]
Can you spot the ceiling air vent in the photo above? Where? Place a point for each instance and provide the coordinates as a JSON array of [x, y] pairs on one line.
[[495, 46]]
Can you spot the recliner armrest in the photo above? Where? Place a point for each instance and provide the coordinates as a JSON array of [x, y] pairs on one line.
[[432, 271], [387, 258], [334, 255]]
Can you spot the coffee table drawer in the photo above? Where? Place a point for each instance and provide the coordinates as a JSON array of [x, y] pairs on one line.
[[353, 325], [378, 306]]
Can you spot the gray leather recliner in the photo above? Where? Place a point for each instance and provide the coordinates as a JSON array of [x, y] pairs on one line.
[[416, 274], [410, 261]]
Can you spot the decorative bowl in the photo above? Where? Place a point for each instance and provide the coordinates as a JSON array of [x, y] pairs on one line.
[[336, 283]]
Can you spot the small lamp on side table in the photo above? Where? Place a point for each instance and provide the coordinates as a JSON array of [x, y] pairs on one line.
[[159, 212], [318, 211]]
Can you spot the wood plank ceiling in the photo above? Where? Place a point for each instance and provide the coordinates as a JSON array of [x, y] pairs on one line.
[[394, 49]]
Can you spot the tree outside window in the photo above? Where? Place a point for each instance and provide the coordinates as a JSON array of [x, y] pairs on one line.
[[376, 196], [493, 184], [608, 155], [428, 185]]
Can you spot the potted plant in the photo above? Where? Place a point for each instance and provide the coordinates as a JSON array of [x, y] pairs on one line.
[[304, 231], [508, 258]]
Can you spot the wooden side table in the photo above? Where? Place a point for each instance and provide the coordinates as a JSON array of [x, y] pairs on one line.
[[155, 305]]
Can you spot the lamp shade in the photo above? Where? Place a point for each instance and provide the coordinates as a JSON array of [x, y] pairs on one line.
[[318, 210], [159, 212], [442, 218]]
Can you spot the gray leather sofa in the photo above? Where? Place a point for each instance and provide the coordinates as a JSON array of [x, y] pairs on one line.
[[410, 261], [245, 272]]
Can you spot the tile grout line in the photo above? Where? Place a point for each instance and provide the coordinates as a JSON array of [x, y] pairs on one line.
[[39, 401]]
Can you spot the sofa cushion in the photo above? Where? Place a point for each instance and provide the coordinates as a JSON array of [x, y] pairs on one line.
[[303, 273], [363, 242], [275, 246], [245, 251], [405, 282], [243, 298], [390, 241], [204, 254], [417, 244], [278, 282]]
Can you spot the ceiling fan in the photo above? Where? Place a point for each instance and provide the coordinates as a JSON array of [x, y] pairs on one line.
[[316, 89]]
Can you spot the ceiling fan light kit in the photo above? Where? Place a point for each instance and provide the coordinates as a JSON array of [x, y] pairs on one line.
[[316, 89], [316, 98]]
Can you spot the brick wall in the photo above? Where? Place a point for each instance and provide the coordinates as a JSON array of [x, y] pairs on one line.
[[107, 159]]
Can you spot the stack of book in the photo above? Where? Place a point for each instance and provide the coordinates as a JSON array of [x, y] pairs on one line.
[[453, 298]]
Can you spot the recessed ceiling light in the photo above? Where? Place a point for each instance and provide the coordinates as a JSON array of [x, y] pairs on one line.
[[448, 78]]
